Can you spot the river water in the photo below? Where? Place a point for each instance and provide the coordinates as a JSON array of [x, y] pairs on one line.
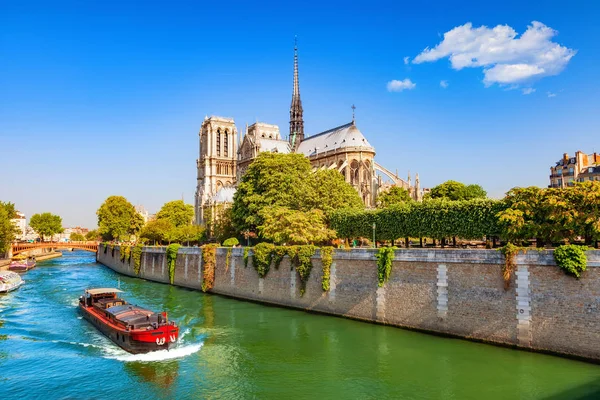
[[233, 349]]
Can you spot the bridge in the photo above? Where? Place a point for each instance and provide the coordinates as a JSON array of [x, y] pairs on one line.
[[23, 247]]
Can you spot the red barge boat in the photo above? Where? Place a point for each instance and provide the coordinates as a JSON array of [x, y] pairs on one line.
[[133, 328]]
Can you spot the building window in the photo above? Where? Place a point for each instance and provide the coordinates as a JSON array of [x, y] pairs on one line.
[[226, 144], [218, 142], [570, 170]]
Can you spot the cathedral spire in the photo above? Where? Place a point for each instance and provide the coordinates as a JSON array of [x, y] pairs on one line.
[[296, 121]]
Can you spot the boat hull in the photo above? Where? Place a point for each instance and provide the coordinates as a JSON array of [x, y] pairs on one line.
[[125, 339], [20, 267]]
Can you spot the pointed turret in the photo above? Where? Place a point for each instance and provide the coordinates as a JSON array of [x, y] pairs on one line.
[[296, 120]]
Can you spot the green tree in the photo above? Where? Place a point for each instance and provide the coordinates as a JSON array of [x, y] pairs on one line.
[[223, 225], [331, 192], [76, 237], [118, 219], [282, 225], [46, 224], [453, 190], [7, 228], [92, 235], [396, 195], [189, 234], [158, 231], [177, 212], [287, 181]]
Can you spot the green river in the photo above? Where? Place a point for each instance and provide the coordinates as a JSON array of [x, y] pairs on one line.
[[231, 349]]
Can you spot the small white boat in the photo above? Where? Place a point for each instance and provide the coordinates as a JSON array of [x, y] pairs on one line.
[[9, 281]]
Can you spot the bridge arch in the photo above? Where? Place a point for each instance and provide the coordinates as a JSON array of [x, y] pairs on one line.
[[18, 248]]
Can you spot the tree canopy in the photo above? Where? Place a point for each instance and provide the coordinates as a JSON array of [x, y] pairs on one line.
[[396, 195], [177, 212], [118, 219], [92, 235], [552, 214], [287, 181], [453, 190], [7, 228], [76, 237], [46, 224], [163, 231], [284, 226]]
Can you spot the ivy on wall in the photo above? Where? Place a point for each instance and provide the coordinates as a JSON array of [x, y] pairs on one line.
[[228, 258], [385, 256], [125, 252], [278, 253], [171, 254], [263, 256], [571, 259], [136, 254], [209, 259], [326, 261], [105, 247], [301, 261], [509, 251]]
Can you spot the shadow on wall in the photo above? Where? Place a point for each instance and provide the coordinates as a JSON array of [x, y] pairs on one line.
[[590, 390]]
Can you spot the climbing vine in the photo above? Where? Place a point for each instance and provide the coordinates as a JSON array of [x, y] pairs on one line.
[[172, 250], [112, 250], [571, 259], [278, 253], [246, 255], [326, 260], [105, 247], [385, 256], [228, 259], [509, 251], [136, 254], [301, 260], [209, 259], [125, 252], [263, 255]]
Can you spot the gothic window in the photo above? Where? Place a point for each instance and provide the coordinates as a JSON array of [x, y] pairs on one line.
[[354, 172], [218, 142], [367, 172], [226, 144]]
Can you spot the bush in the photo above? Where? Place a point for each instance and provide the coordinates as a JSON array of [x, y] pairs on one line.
[[231, 242], [571, 259]]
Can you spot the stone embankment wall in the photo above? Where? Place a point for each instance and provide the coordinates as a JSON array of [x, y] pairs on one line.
[[452, 292]]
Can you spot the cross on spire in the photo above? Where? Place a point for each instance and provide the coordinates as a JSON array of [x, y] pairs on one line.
[[353, 109]]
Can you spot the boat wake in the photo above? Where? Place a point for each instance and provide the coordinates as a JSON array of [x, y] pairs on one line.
[[160, 355]]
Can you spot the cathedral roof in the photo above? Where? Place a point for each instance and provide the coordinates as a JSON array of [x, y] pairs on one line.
[[224, 195], [273, 145], [347, 135]]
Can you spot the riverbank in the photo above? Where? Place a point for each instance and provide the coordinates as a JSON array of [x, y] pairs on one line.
[[47, 256], [459, 293]]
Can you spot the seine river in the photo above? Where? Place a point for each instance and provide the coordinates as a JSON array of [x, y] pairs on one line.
[[233, 349]]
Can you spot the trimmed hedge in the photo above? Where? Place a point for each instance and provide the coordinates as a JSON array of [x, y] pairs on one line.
[[467, 219]]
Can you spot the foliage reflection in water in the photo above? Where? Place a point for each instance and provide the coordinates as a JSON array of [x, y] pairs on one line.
[[236, 349]]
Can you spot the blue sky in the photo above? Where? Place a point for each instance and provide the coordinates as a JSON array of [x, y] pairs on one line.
[[100, 98]]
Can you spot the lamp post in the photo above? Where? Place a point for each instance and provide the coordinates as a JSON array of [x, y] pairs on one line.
[[374, 242]]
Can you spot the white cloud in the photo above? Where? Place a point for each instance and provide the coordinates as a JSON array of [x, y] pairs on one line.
[[504, 57], [398, 86], [550, 94], [406, 60], [528, 90], [444, 84]]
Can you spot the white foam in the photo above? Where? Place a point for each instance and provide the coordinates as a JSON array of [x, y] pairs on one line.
[[160, 355]]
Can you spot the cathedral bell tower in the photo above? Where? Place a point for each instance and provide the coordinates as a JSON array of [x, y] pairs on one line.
[[296, 120], [216, 163]]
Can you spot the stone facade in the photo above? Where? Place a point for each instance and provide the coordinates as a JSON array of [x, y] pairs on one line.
[[581, 168], [216, 165], [453, 292]]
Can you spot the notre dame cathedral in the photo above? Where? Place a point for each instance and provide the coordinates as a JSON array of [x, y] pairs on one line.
[[225, 155]]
